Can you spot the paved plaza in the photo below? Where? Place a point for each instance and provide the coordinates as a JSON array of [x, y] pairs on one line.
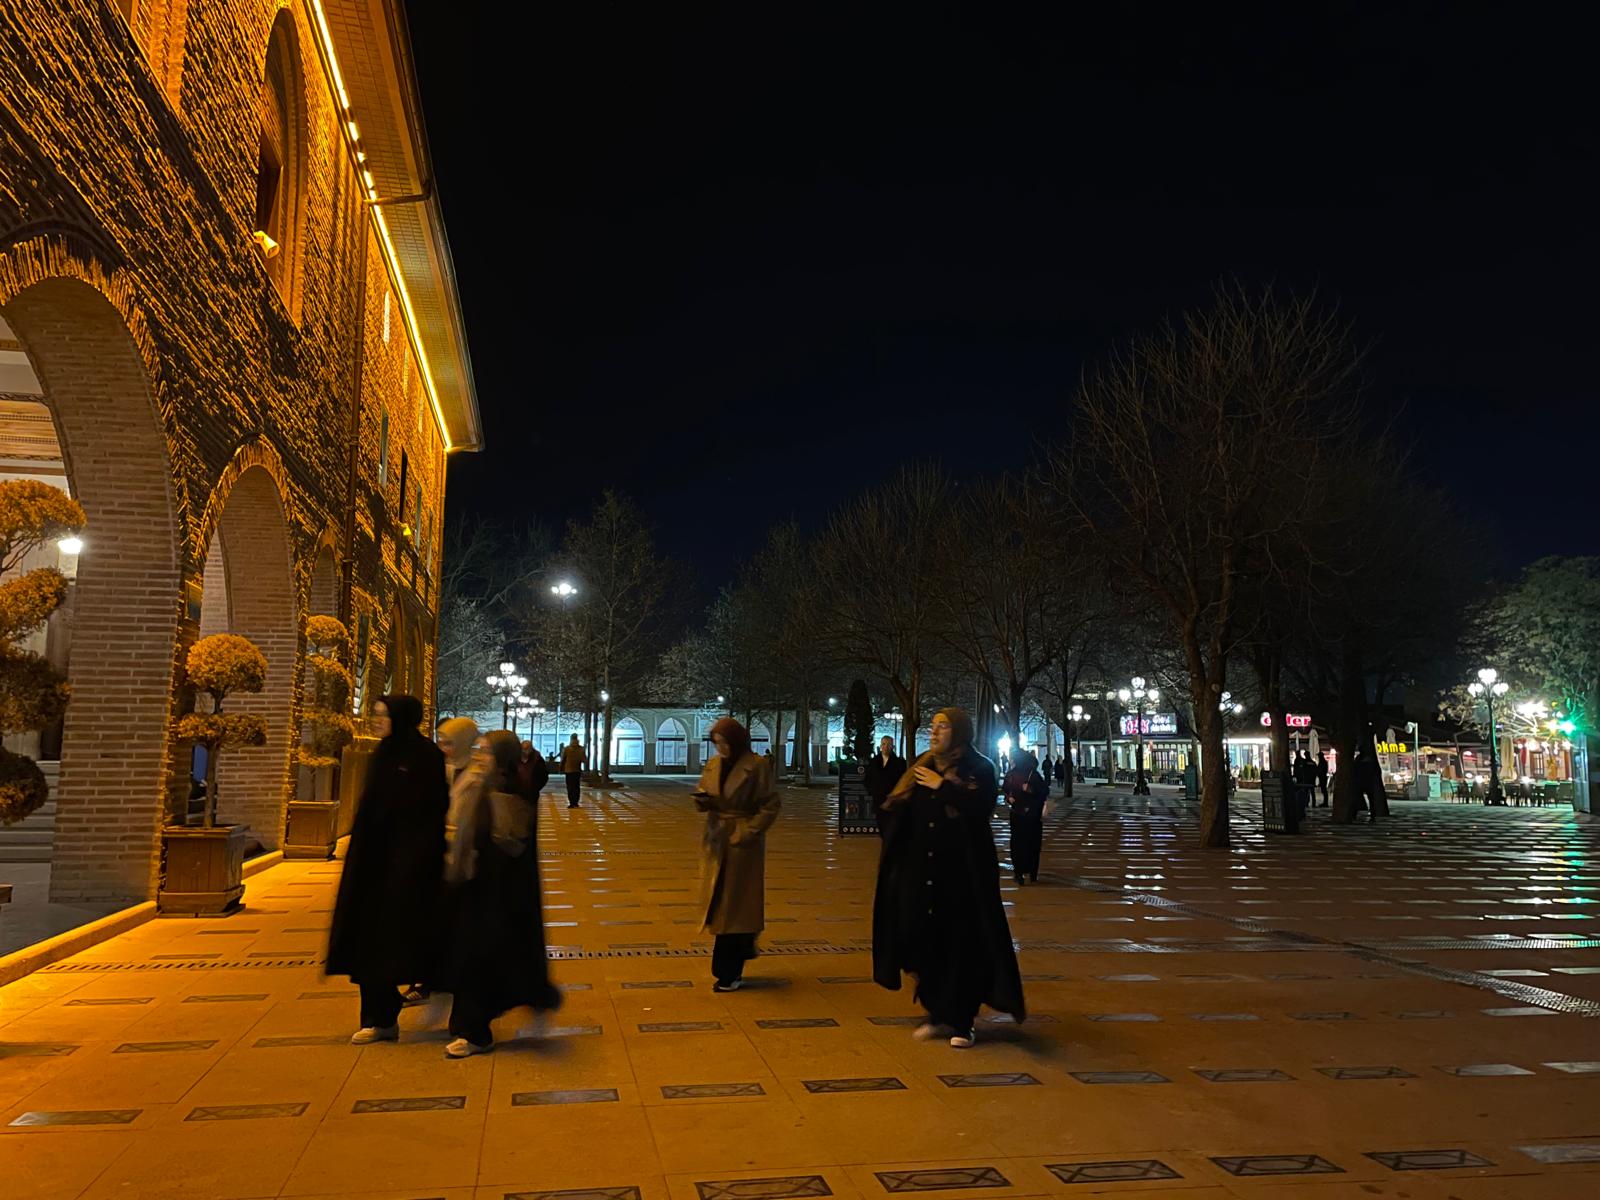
[[1407, 1011]]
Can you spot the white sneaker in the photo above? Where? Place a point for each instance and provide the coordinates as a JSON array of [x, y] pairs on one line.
[[370, 1033], [461, 1048], [965, 1040]]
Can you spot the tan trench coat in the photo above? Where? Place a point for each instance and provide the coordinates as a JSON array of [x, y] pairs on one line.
[[733, 873]]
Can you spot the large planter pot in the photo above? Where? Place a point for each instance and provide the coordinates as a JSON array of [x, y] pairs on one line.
[[202, 870], [313, 829]]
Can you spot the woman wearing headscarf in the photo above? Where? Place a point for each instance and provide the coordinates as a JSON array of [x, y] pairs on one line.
[[495, 960], [937, 914], [389, 891], [1026, 793], [737, 794], [457, 737]]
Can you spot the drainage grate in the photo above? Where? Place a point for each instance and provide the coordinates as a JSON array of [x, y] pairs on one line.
[[91, 968]]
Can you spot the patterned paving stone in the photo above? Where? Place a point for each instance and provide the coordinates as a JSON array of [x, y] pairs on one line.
[[1245, 1075], [1485, 1070], [942, 1179], [108, 1001], [1563, 1152], [1576, 1068], [680, 1026], [87, 1116], [1349, 1073], [399, 1104], [878, 1083], [797, 1023], [990, 1079], [1427, 1160], [246, 1112], [780, 1188], [37, 1049], [163, 1047], [1118, 1077], [710, 1091], [603, 1193], [1278, 1164], [1114, 1171], [569, 1096]]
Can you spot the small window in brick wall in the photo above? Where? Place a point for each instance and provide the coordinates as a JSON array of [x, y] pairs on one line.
[[405, 476], [386, 316], [383, 449], [279, 160]]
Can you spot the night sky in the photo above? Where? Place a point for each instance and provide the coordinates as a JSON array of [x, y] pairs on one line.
[[742, 262]]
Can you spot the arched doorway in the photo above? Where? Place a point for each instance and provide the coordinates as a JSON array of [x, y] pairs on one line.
[[77, 361], [323, 598], [672, 745], [249, 556], [760, 738], [627, 744]]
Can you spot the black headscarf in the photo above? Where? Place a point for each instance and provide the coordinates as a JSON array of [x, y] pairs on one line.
[[405, 717]]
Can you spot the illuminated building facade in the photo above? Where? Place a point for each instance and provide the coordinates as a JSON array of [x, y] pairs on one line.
[[229, 327]]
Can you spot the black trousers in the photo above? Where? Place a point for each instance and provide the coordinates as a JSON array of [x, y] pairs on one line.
[[380, 1005], [574, 783], [729, 954], [469, 1018]]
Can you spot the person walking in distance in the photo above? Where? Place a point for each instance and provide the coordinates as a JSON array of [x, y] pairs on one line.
[[1026, 793], [1322, 776], [388, 900], [495, 958], [884, 770], [937, 913], [1046, 772], [532, 772], [573, 759], [737, 794]]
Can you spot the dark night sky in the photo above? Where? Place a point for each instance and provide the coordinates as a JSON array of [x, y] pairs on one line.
[[741, 262]]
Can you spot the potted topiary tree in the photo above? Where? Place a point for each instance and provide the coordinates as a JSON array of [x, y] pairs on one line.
[[203, 866], [33, 695], [325, 731]]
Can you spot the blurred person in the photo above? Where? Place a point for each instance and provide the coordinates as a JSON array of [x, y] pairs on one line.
[[387, 905], [1026, 792], [573, 759], [737, 794], [883, 772], [937, 913]]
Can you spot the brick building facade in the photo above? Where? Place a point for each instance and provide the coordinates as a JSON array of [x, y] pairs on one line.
[[228, 325]]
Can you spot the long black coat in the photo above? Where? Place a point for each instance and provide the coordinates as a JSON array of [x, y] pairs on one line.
[[387, 910], [960, 813], [495, 947]]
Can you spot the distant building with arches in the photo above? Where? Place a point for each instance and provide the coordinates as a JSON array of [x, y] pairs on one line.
[[229, 328]]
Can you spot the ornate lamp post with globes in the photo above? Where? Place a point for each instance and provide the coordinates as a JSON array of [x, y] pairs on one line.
[[508, 686], [1138, 694], [1490, 686]]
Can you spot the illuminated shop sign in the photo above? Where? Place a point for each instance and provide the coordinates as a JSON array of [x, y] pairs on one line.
[[1152, 722], [1393, 748], [1292, 720]]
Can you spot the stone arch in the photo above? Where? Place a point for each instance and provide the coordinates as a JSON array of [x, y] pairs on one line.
[[672, 744], [248, 523], [760, 737], [281, 173], [322, 596], [627, 744], [88, 349]]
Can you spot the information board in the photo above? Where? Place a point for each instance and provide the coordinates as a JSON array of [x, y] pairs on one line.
[[1278, 813], [856, 812]]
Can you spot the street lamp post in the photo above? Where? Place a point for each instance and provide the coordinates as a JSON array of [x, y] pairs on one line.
[[1138, 694], [563, 591], [508, 686], [1075, 719], [1489, 685]]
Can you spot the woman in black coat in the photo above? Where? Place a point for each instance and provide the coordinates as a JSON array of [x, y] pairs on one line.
[[1026, 793], [387, 906], [495, 960], [937, 914]]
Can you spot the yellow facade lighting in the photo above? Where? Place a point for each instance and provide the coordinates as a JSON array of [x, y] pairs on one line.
[[391, 260]]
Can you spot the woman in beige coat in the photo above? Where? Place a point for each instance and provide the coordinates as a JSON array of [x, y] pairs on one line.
[[737, 794]]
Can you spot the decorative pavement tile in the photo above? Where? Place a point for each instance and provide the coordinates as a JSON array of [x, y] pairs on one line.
[[1365, 1072], [246, 1112], [638, 985], [1576, 1068], [280, 1043], [88, 1116], [575, 987], [1245, 1075], [1127, 978], [990, 1079], [1564, 1152], [1520, 1012], [604, 1193], [1223, 1017], [1045, 978], [1427, 1160], [877, 1083], [798, 1023], [939, 1180], [1123, 1017], [1483, 1070], [897, 1020], [1112, 1172], [1325, 1016], [1514, 973], [680, 1026], [831, 979], [399, 1104], [569, 1096], [1424, 1014], [782, 1188], [557, 1031], [162, 1047], [224, 999], [37, 1049], [1118, 1077], [182, 957], [349, 994], [1576, 970], [98, 1002], [709, 1091], [1278, 1164]]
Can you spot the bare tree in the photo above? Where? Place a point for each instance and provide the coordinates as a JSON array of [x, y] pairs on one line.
[[1193, 457]]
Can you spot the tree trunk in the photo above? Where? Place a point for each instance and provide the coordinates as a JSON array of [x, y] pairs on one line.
[[1214, 772], [802, 741], [1066, 749], [211, 785], [1351, 735]]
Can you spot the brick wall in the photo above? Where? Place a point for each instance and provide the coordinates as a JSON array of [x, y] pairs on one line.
[[127, 164]]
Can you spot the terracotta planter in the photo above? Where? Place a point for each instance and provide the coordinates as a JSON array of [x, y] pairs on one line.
[[202, 870]]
